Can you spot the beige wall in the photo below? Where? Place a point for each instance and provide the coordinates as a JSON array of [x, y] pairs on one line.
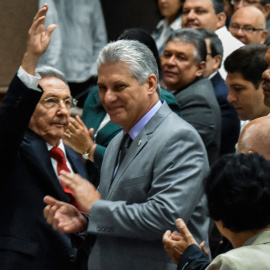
[[15, 19]]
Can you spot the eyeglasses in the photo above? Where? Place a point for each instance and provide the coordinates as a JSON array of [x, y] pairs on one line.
[[54, 102], [245, 29]]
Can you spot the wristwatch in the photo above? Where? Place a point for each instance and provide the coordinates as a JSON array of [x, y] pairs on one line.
[[85, 155]]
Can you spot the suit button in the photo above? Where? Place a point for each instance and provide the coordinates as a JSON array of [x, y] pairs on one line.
[[72, 258]]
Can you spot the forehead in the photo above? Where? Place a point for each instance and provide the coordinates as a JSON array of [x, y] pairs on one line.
[[180, 47], [236, 78], [113, 70], [54, 86], [248, 15], [207, 4]]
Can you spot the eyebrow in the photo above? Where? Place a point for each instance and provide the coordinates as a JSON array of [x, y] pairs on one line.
[[53, 95]]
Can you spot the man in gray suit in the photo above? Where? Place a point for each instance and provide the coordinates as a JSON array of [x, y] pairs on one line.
[[159, 179], [183, 64]]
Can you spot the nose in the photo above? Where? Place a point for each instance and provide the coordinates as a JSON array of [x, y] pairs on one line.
[[109, 96], [231, 96], [191, 14], [239, 32], [63, 108], [171, 60], [266, 74]]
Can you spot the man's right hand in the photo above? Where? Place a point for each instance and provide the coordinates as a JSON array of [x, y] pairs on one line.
[[64, 217], [38, 41]]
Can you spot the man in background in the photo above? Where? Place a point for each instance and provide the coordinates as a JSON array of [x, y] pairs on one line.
[[248, 25]]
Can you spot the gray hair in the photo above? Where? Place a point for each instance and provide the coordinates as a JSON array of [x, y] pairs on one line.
[[194, 37], [48, 72], [136, 55]]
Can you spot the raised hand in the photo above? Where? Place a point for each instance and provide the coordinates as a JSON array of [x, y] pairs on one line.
[[64, 217], [84, 192], [176, 243], [38, 40]]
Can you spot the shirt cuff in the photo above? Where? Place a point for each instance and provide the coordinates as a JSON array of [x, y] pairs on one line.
[[30, 81]]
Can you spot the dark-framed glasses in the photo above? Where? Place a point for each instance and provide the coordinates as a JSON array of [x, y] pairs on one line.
[[54, 102], [245, 29]]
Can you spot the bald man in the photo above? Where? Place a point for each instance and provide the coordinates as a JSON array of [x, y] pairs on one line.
[[254, 137], [248, 25]]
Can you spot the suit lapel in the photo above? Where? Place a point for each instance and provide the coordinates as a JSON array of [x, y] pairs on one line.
[[137, 145], [36, 152], [76, 162]]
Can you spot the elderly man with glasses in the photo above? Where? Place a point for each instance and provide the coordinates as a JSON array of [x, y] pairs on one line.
[[248, 25], [33, 120]]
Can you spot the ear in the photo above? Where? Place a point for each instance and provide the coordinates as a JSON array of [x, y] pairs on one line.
[[152, 82], [200, 70], [266, 10], [264, 36], [217, 61], [221, 19]]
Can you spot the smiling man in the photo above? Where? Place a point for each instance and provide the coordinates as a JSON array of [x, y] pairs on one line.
[[152, 171], [245, 67], [210, 15], [183, 64]]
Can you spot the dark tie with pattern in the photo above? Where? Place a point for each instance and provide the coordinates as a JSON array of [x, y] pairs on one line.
[[57, 154], [126, 141]]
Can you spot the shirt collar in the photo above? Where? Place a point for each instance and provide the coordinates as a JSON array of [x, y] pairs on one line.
[[136, 129]]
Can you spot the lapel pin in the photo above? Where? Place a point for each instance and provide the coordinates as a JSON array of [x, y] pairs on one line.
[[139, 142]]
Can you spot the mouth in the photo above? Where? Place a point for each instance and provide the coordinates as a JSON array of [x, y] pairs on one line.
[[169, 74], [113, 109], [191, 24], [266, 86]]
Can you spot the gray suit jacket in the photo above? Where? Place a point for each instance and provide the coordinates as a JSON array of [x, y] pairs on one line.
[[199, 107], [160, 180], [255, 254]]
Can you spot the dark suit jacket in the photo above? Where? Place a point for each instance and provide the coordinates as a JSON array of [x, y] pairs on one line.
[[199, 107], [230, 122], [94, 113], [27, 175]]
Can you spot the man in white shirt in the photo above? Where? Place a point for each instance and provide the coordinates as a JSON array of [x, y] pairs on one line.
[[209, 14]]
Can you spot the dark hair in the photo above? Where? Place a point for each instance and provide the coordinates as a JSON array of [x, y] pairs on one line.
[[179, 12], [238, 192], [192, 36], [264, 2], [248, 61], [140, 35], [215, 43], [218, 6]]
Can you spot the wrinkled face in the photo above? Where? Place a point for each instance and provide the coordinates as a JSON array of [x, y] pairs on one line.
[[178, 65], [50, 123], [266, 79], [169, 8], [124, 99], [248, 26], [247, 100], [199, 14]]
